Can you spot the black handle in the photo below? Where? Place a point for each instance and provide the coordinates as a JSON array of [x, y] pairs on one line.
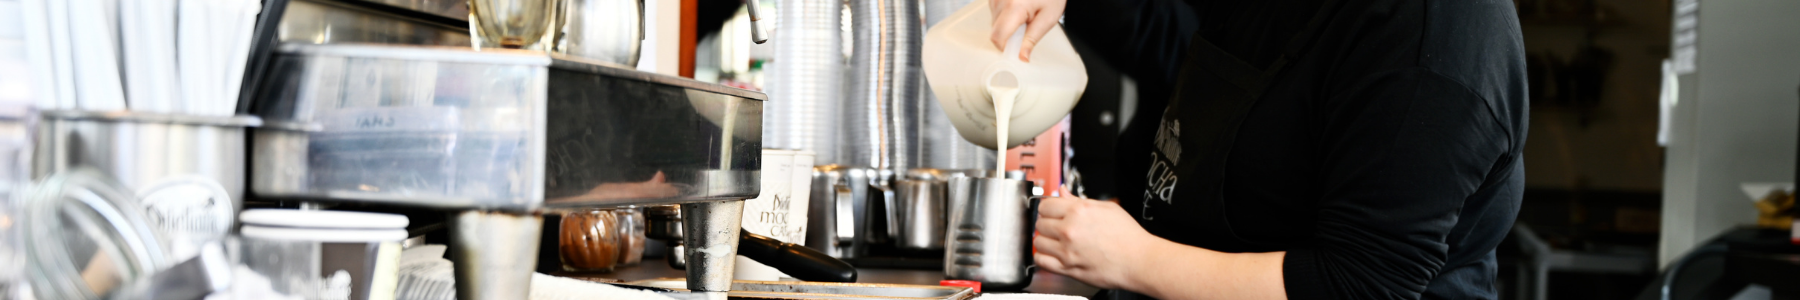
[[799, 261]]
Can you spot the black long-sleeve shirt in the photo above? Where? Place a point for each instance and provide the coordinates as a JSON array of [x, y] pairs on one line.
[[1386, 160]]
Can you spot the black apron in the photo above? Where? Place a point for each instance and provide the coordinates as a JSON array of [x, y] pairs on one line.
[[1215, 91]]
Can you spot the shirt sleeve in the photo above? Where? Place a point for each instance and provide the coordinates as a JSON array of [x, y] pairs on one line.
[[1402, 151], [1144, 38]]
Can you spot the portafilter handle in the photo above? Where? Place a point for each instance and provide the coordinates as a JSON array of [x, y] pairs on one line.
[[795, 260], [844, 204]]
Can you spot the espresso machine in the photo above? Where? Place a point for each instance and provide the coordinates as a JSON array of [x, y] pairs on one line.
[[589, 135], [496, 137]]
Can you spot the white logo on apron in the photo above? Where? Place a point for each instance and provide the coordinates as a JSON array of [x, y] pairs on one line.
[[1162, 178]]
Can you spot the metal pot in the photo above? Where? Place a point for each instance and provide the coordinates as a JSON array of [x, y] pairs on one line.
[[603, 30], [187, 171]]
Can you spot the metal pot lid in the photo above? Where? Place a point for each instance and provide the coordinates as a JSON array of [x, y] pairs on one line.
[[148, 117], [322, 219]]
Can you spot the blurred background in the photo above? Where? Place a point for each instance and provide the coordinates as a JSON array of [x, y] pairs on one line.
[[1660, 165], [1656, 126]]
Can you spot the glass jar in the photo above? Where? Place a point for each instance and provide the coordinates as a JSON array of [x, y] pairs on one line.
[[513, 24], [631, 235], [590, 240]]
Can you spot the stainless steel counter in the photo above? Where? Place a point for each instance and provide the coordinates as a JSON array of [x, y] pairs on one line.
[[1042, 282]]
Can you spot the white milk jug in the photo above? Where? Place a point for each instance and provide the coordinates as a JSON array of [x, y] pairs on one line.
[[968, 75]]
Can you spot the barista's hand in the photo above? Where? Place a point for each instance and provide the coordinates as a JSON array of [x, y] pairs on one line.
[[1095, 242], [1038, 16]]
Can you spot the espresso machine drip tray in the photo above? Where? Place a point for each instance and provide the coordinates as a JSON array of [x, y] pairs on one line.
[[453, 128], [747, 289]]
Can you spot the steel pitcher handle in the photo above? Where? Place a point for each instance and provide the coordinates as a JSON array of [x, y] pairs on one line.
[[846, 213]]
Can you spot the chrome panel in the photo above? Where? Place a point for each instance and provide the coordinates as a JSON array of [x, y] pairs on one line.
[[456, 128], [595, 134], [620, 136]]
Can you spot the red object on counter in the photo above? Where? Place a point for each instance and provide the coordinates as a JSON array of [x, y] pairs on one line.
[[1794, 233], [967, 283]]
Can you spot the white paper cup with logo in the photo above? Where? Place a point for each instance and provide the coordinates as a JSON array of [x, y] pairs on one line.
[[800, 200], [779, 212]]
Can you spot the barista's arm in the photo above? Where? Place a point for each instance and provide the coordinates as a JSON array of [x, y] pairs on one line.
[[1096, 242], [1402, 151], [1406, 149]]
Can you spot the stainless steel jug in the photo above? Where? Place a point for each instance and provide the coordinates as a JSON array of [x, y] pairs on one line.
[[920, 200], [838, 214], [990, 231]]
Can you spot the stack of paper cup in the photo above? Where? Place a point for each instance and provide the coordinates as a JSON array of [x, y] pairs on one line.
[[780, 212]]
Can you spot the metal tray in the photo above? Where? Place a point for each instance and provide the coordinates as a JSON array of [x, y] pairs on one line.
[[557, 131], [747, 289]]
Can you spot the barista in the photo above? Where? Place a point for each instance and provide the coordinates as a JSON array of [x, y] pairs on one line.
[[1304, 149]]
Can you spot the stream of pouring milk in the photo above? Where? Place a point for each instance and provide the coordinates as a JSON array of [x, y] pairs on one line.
[[1003, 103], [1003, 88]]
